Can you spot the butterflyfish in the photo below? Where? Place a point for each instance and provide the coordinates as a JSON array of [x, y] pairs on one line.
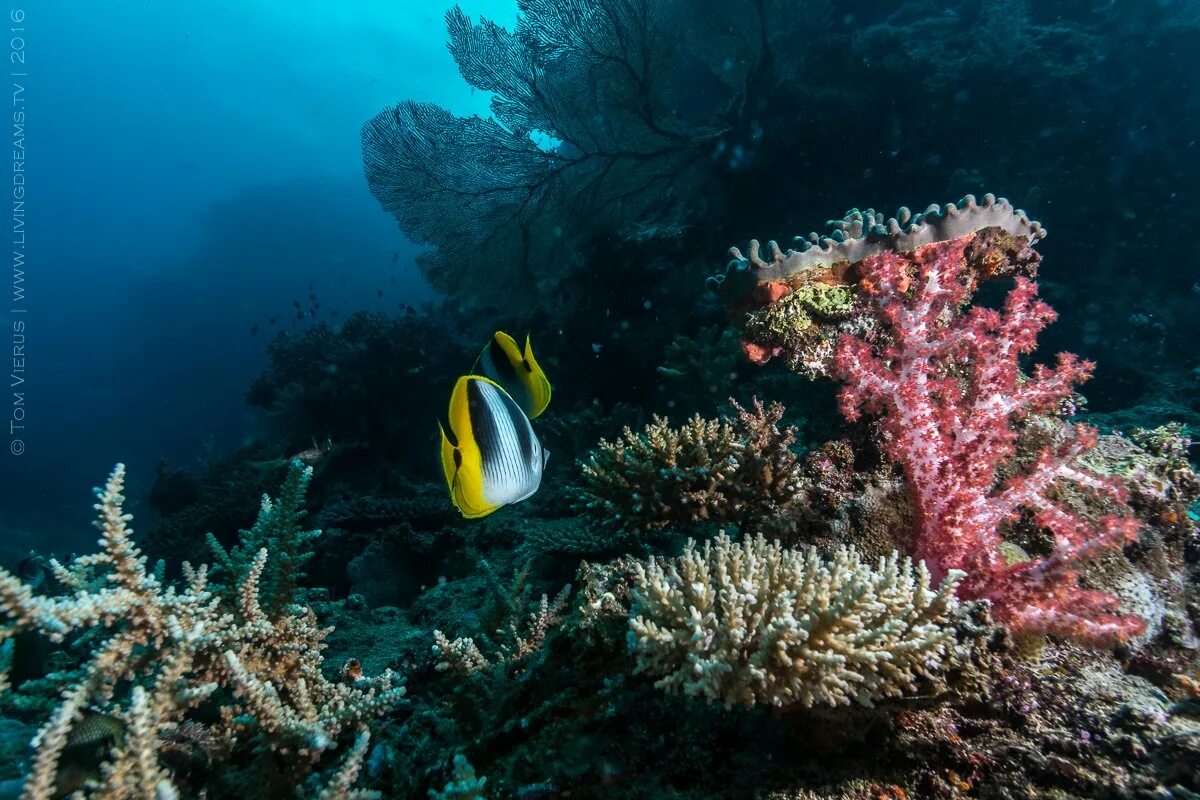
[[490, 454], [516, 371]]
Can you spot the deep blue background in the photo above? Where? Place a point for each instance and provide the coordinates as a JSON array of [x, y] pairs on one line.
[[192, 168]]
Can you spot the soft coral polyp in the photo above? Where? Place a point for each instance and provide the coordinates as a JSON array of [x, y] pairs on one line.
[[949, 389]]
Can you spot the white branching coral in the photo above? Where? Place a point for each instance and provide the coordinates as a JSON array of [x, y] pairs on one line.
[[754, 623], [341, 786], [168, 651]]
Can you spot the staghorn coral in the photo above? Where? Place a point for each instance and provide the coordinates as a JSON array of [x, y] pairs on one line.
[[512, 632], [277, 530], [949, 388], [753, 623], [341, 785], [463, 785], [718, 470], [177, 655]]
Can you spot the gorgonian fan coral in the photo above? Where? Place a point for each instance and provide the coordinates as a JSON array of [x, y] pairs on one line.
[[593, 128], [949, 389]]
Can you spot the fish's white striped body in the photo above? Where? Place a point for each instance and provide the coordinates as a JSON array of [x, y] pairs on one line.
[[490, 455], [512, 456]]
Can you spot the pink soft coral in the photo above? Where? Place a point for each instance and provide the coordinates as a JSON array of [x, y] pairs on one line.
[[949, 388]]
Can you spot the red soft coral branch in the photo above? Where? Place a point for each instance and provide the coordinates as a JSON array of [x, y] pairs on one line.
[[948, 387]]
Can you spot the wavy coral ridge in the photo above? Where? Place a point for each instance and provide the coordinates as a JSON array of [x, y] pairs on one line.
[[862, 234]]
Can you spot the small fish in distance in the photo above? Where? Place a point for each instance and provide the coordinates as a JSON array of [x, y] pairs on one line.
[[309, 457]]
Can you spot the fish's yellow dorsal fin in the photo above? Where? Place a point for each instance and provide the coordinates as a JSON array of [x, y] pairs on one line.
[[536, 381]]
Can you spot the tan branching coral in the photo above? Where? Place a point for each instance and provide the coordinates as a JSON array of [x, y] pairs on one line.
[[171, 650], [721, 470], [341, 785], [521, 638], [753, 623]]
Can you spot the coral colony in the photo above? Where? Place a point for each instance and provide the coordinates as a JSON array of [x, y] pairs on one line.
[[920, 618], [821, 527], [949, 388], [165, 657]]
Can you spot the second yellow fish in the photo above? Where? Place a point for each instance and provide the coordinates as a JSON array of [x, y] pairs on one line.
[[517, 371]]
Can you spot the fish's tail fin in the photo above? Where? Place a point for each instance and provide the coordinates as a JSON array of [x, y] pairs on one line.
[[538, 384]]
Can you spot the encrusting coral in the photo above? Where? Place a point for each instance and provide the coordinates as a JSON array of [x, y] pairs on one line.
[[754, 623], [797, 328], [178, 656], [719, 470]]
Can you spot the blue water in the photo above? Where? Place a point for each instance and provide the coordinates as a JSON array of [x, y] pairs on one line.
[[248, 264], [192, 170]]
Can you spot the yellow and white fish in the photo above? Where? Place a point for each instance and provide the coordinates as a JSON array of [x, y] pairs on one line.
[[490, 453], [516, 371]]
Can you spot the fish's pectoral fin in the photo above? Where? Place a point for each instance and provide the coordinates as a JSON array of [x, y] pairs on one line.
[[451, 459]]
